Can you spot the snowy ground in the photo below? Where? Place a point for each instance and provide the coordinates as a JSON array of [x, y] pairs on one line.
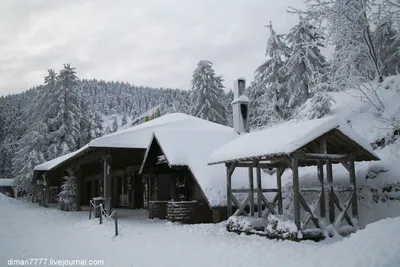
[[28, 231]]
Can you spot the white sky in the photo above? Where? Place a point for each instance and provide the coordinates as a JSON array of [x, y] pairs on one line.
[[154, 42]]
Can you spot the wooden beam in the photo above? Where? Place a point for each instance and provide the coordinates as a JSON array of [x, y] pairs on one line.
[[240, 206], [327, 188], [259, 194], [345, 165], [331, 193], [79, 182], [251, 183], [265, 190], [322, 205], [296, 192], [229, 172], [279, 174], [262, 165], [318, 156], [354, 204]]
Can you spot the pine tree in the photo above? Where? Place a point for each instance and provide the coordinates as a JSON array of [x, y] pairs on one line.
[[207, 94], [306, 65], [67, 196], [268, 95]]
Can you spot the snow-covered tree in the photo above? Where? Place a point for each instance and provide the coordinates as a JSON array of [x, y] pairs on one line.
[[28, 155], [115, 124], [316, 107], [96, 125], [268, 95], [306, 66], [387, 47], [347, 25], [124, 120], [67, 195], [207, 94]]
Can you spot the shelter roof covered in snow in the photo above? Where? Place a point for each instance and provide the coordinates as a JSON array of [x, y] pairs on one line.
[[6, 182], [290, 137]]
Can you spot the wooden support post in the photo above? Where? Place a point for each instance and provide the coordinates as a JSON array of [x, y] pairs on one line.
[[331, 193], [106, 185], [354, 204], [90, 211], [296, 193], [101, 214], [279, 174], [78, 192], [251, 183], [322, 204], [259, 192], [116, 223], [229, 189]]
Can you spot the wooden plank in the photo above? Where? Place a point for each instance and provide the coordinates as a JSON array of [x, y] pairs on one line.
[[331, 193], [354, 204], [279, 174], [326, 188], [322, 205], [259, 192], [296, 192], [251, 183]]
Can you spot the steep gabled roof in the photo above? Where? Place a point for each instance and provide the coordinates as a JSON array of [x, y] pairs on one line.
[[287, 138], [191, 148]]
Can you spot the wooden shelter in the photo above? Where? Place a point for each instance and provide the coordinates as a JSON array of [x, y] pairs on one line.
[[319, 143]]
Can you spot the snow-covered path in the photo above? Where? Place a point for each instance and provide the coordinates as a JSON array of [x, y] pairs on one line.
[[28, 231]]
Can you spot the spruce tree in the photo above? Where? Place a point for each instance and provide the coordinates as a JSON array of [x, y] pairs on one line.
[[207, 94], [306, 65], [67, 196], [268, 95]]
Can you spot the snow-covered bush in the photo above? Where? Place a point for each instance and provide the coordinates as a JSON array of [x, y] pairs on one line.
[[316, 107], [67, 196], [274, 227]]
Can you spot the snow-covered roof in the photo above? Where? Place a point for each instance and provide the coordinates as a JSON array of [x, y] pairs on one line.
[[51, 164], [284, 139], [139, 136], [6, 182], [191, 148]]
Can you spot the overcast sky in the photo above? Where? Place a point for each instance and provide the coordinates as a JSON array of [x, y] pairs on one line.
[[154, 42]]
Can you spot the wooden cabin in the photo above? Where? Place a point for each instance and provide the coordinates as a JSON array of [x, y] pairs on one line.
[[110, 167]]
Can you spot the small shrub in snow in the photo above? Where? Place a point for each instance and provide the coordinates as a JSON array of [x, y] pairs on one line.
[[316, 107], [67, 196], [273, 227]]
